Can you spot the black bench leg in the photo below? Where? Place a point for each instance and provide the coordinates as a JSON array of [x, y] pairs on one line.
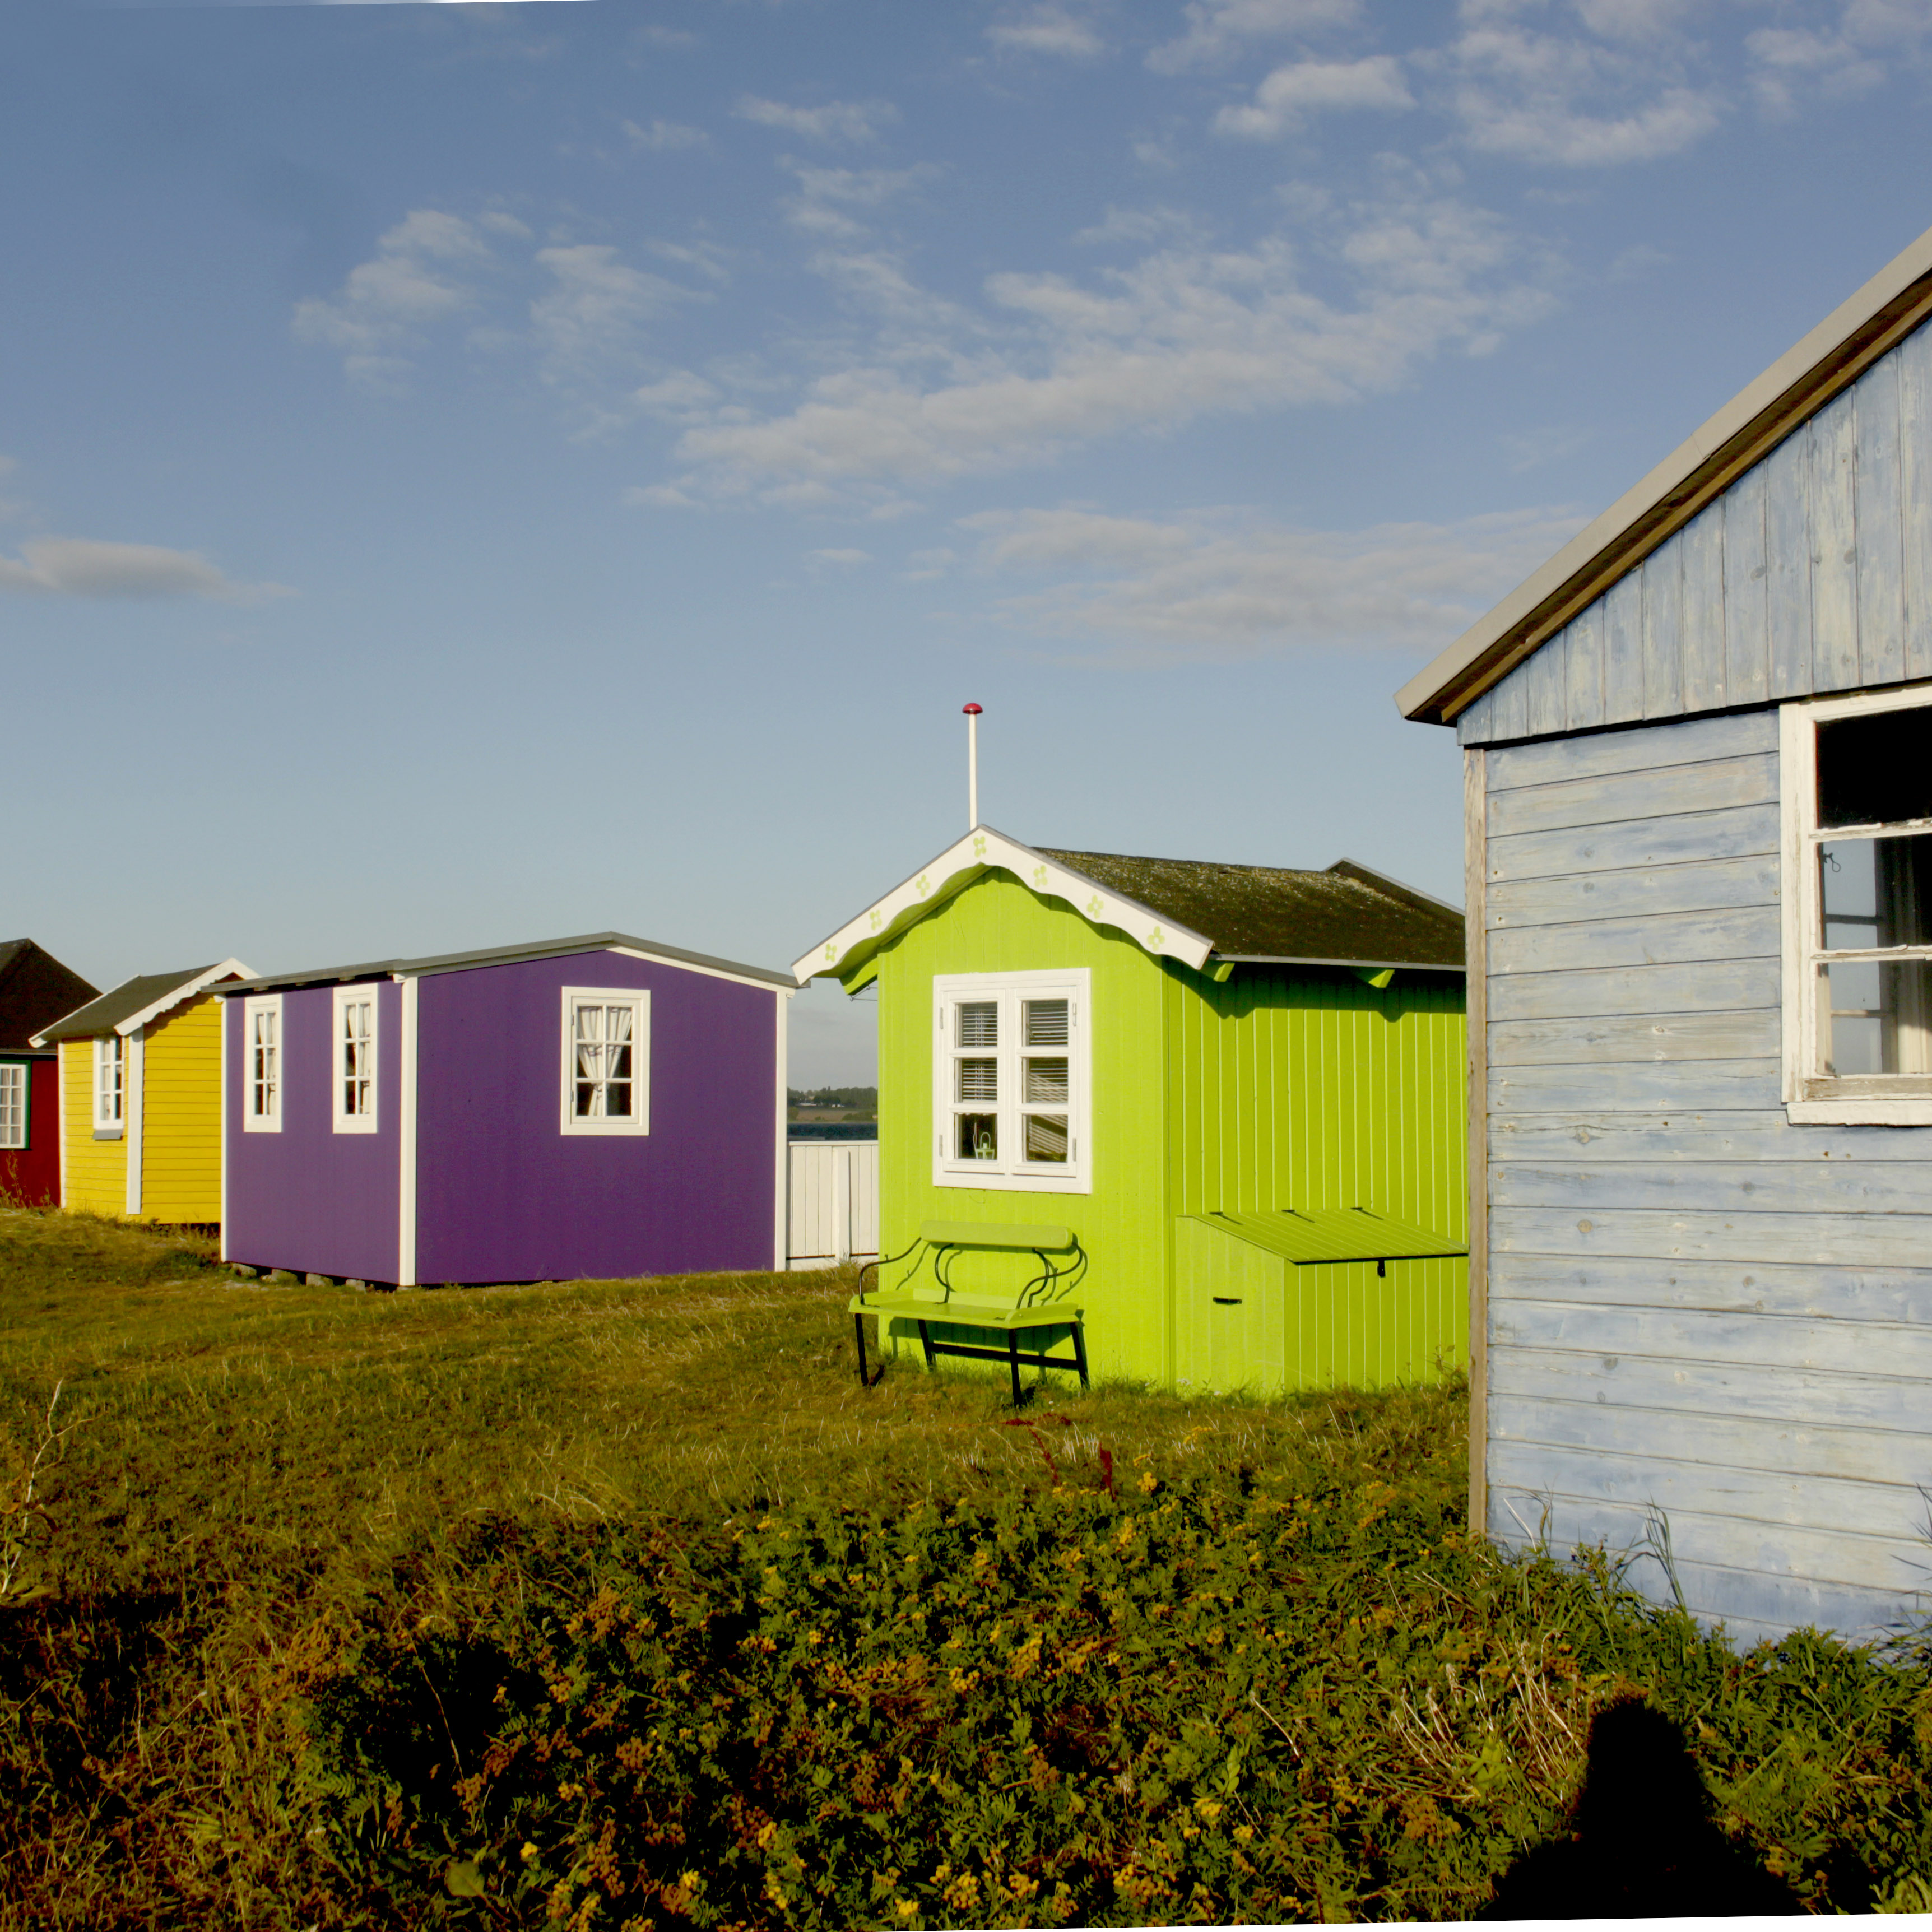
[[1013, 1361], [1080, 1354], [925, 1342], [859, 1336]]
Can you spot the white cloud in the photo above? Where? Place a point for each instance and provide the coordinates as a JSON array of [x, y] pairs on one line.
[[1307, 87], [1217, 28], [663, 136], [1048, 29], [1143, 226], [1183, 333], [1787, 61], [1572, 102], [676, 396], [844, 559], [1136, 590], [416, 277], [82, 567], [836, 120], [594, 309], [825, 192]]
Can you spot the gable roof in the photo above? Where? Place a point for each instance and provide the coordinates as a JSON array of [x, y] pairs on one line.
[[35, 989], [1746, 429], [432, 963], [135, 1002], [1193, 911]]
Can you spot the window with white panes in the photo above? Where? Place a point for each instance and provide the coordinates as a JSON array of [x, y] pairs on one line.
[[262, 1067], [110, 1082], [12, 1105], [354, 1060], [1010, 1081], [1857, 970], [606, 1060]]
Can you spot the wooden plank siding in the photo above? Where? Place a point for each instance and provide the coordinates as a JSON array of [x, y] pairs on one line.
[[1694, 1307], [1812, 573], [96, 1170], [181, 1115]]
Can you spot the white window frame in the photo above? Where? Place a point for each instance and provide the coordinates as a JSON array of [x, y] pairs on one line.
[[1011, 1173], [254, 1120], [1811, 1097], [110, 1086], [16, 1085], [638, 999], [342, 1120]]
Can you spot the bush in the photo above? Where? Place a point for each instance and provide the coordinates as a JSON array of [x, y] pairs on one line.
[[1226, 1701]]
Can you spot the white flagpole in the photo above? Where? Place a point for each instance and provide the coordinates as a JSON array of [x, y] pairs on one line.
[[972, 712]]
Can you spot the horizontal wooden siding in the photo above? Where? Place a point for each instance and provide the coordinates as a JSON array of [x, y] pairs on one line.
[[181, 1115], [1698, 1314]]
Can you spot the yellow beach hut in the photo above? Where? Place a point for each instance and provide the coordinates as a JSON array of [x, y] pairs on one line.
[[140, 1097]]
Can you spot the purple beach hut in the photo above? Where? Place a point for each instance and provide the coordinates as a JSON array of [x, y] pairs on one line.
[[602, 1106]]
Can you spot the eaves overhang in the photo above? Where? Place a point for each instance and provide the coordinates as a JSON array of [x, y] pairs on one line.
[[983, 849], [1740, 434]]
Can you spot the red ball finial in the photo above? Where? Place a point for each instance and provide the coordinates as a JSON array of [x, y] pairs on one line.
[[970, 710]]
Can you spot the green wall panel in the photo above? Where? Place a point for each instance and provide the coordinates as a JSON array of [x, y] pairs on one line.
[[998, 925], [1275, 1089]]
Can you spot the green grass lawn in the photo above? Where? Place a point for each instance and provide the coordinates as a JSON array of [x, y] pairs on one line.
[[622, 1603]]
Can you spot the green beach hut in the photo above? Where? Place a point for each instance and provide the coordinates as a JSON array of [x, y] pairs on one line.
[[1241, 1088]]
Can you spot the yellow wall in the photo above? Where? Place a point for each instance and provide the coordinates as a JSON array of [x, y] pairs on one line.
[[181, 1115], [97, 1170]]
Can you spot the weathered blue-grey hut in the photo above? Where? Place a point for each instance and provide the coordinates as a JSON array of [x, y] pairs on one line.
[[1699, 794]]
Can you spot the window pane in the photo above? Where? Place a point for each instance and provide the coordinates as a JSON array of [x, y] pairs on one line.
[[12, 1106], [1046, 1022], [1875, 891], [1046, 1137], [979, 1137], [1881, 1017], [978, 1080], [617, 1098], [585, 1106], [1046, 1082], [980, 1023], [1875, 770]]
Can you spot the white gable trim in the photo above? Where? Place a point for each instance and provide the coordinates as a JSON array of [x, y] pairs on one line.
[[229, 969], [979, 851]]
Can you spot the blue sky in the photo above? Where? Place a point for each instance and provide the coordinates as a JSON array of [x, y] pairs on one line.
[[474, 473]]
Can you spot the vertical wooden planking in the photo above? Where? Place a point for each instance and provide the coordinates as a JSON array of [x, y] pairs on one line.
[[1545, 682], [1623, 650], [1880, 604], [1509, 718], [1583, 668], [1746, 640], [1662, 631], [1475, 870], [1787, 542], [1914, 359], [1835, 556], [1703, 615], [1474, 723]]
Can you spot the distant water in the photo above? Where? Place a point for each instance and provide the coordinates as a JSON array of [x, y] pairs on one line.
[[833, 1130]]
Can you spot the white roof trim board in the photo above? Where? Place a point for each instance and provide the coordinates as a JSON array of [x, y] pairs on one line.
[[981, 849], [229, 969], [1795, 387]]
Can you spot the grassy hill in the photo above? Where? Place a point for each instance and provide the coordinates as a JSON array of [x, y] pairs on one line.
[[621, 1604]]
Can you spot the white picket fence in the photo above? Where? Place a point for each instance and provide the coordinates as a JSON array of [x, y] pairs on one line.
[[834, 1211]]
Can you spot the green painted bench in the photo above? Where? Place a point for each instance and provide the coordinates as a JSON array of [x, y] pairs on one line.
[[1038, 1304]]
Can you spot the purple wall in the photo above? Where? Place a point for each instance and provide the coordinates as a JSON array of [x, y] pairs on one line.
[[504, 1194], [307, 1198]]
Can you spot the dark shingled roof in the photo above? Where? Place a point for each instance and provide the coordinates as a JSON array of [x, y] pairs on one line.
[[1347, 915], [35, 989], [131, 996]]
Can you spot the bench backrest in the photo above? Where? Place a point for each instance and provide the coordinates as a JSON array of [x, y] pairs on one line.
[[1033, 1240]]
